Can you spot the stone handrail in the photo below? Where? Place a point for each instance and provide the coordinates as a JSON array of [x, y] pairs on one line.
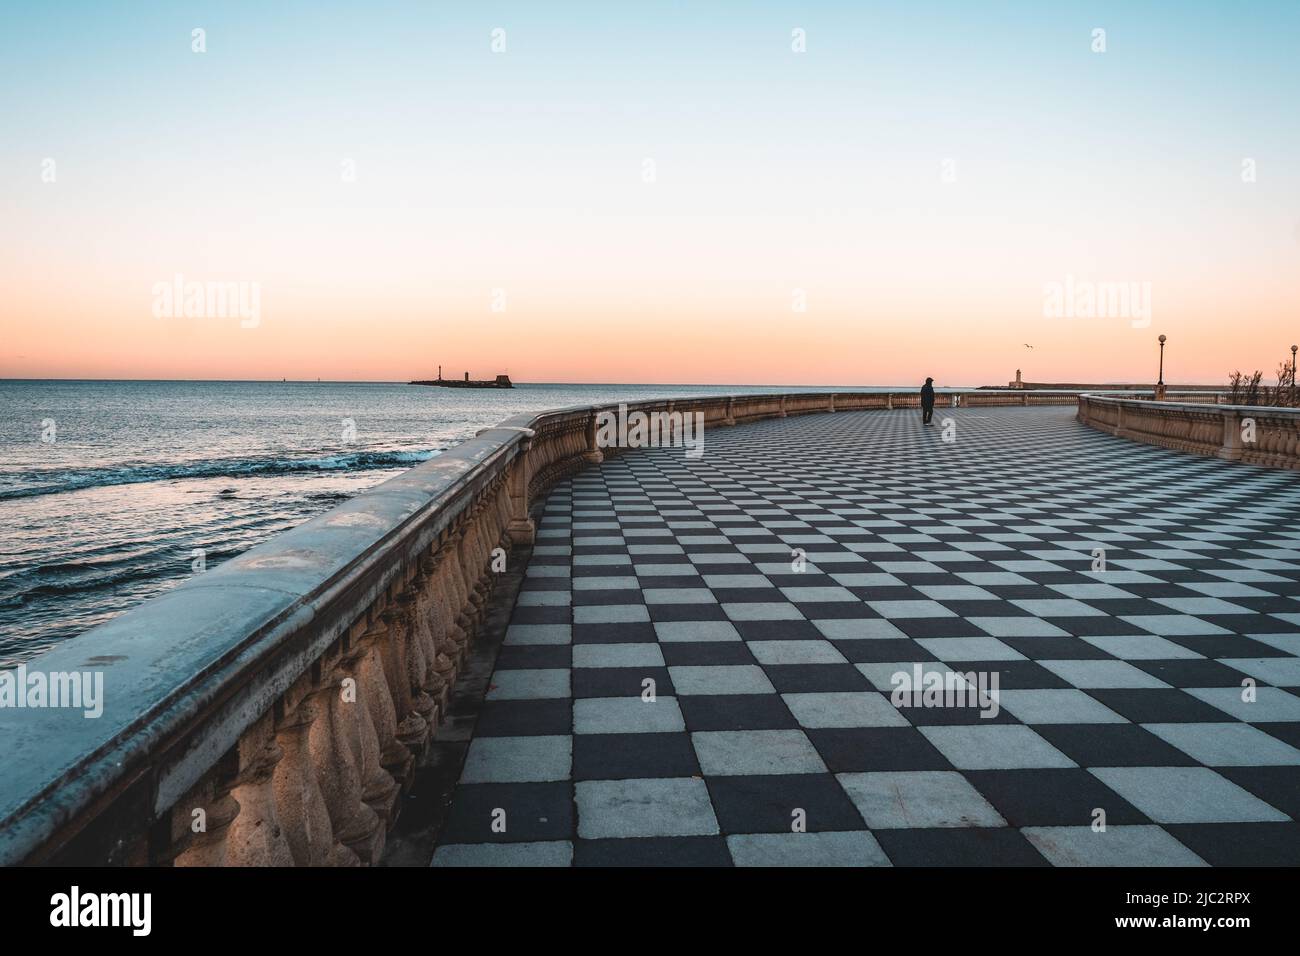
[[271, 710], [1256, 435]]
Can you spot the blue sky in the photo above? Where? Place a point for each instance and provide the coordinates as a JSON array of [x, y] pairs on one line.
[[819, 170]]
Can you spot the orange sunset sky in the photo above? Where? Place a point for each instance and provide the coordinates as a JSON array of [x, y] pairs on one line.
[[645, 199]]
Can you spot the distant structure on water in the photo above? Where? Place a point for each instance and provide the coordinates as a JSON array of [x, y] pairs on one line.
[[501, 381]]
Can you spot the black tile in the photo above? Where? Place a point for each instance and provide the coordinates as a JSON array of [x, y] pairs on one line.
[[778, 631], [1045, 797], [600, 571], [650, 559], [1249, 623], [881, 651], [985, 608], [1056, 648], [705, 653], [1192, 673], [638, 632], [815, 678], [686, 612], [1094, 626], [545, 584], [522, 718], [534, 656], [831, 610], [747, 595], [619, 681], [859, 749], [1241, 844], [887, 593], [1228, 646], [1015, 675], [1113, 745], [598, 597], [533, 812], [963, 711], [735, 712], [664, 582], [1021, 592], [1275, 604], [1158, 705], [959, 846], [1277, 786], [769, 803], [1286, 731], [633, 756], [921, 627], [653, 851], [541, 615], [807, 579]]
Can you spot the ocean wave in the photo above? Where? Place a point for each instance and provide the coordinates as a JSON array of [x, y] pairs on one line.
[[104, 570], [57, 482], [15, 593]]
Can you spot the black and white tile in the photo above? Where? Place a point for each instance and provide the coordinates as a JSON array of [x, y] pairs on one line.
[[672, 690]]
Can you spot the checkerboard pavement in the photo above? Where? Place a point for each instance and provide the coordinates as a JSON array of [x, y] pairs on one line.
[[671, 690]]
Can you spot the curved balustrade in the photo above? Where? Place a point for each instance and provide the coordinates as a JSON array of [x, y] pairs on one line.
[[271, 710], [1251, 434]]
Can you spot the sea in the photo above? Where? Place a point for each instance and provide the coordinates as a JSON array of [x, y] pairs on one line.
[[111, 492]]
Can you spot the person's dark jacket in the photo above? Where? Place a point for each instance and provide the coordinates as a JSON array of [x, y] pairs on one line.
[[927, 395]]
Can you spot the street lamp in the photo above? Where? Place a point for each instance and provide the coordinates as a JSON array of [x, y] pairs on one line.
[[1161, 380], [1293, 351]]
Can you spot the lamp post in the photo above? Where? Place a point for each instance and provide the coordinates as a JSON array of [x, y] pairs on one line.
[[1293, 351], [1160, 382]]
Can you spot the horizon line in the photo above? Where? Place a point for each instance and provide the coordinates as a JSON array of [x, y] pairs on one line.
[[323, 381]]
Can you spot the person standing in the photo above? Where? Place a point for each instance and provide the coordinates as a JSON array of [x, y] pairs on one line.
[[927, 402]]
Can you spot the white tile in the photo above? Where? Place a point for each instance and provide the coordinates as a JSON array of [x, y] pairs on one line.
[[918, 799], [1186, 795], [848, 848], [844, 709], [897, 610], [762, 611], [1136, 846], [755, 752], [529, 684], [1101, 674], [858, 629], [626, 715], [969, 649], [795, 652], [1227, 744], [611, 614], [617, 655], [703, 680], [994, 747], [671, 632], [664, 807], [1057, 706]]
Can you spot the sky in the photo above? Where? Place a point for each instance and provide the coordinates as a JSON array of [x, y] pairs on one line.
[[735, 193]]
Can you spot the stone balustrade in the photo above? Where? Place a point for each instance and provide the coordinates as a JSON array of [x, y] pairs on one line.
[[272, 710], [1252, 434]]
